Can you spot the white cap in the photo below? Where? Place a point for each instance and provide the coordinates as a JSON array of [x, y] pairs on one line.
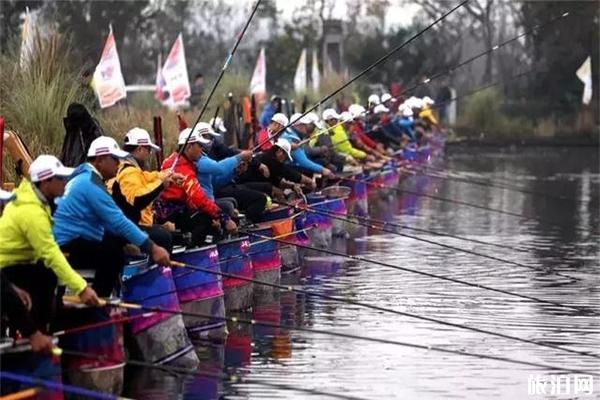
[[428, 101], [193, 137], [281, 119], [373, 99], [218, 124], [299, 119], [105, 145], [380, 108], [139, 137], [346, 116], [284, 145], [204, 128], [6, 196], [356, 110], [314, 118], [330, 113], [407, 112], [46, 166], [387, 97]]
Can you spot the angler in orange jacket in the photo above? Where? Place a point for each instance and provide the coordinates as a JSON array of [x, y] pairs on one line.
[[187, 206]]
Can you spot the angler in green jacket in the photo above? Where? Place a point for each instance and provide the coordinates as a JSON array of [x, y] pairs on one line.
[[29, 256]]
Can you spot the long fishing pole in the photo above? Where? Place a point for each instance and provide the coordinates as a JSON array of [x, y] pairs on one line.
[[431, 232], [455, 201], [289, 288], [364, 72], [534, 29], [59, 387], [369, 224], [496, 185], [184, 371], [435, 276], [217, 81], [255, 322]]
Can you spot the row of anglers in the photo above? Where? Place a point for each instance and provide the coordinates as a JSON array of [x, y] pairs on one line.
[[60, 220]]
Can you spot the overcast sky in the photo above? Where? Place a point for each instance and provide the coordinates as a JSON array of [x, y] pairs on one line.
[[397, 15]]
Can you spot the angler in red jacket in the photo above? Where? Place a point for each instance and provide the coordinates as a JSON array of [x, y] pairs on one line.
[[186, 205]]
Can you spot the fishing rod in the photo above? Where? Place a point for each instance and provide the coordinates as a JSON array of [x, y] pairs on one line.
[[289, 288], [56, 386], [254, 322], [420, 239], [180, 371], [496, 185], [364, 72], [441, 277], [457, 202], [217, 81]]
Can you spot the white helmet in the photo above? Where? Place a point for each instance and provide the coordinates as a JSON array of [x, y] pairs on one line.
[[346, 116], [380, 109], [387, 97], [356, 110], [373, 99], [428, 101], [407, 112]]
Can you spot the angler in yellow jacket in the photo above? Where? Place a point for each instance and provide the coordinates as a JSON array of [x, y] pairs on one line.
[[29, 255], [134, 189], [426, 113], [342, 144]]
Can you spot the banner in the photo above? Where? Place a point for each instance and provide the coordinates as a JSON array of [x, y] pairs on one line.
[[108, 83], [258, 83], [300, 76], [584, 73], [175, 75], [315, 76]]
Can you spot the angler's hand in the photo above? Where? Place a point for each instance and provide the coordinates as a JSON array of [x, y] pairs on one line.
[[88, 296], [297, 189], [41, 343], [245, 155], [327, 173], [231, 226], [24, 296], [160, 255], [216, 224], [370, 158], [264, 170]]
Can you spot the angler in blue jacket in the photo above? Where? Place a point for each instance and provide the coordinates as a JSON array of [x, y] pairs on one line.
[[271, 109], [217, 179], [406, 124], [300, 130], [88, 225]]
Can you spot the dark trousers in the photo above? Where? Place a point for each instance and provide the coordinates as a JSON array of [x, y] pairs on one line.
[[198, 224], [227, 205], [106, 258], [251, 202], [40, 282], [265, 187], [159, 235]]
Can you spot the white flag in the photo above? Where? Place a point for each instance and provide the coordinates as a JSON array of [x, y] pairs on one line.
[[108, 83], [175, 75], [584, 73], [300, 76], [159, 85], [27, 38], [315, 76], [258, 83]]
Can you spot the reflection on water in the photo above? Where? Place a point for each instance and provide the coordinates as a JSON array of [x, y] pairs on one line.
[[370, 370]]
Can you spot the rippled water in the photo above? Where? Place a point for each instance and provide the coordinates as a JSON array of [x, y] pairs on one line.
[[278, 363]]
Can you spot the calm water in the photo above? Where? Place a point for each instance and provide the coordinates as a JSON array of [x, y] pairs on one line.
[[306, 361]]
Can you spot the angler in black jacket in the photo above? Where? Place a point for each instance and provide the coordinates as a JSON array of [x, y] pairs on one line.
[[281, 174]]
